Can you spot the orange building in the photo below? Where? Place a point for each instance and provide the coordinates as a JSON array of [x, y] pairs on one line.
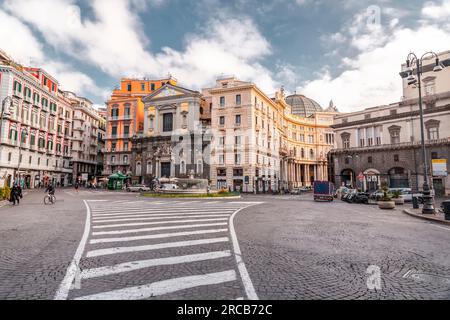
[[125, 119]]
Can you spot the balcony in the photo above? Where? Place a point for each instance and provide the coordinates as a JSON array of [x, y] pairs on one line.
[[27, 99], [41, 149], [121, 118], [118, 136]]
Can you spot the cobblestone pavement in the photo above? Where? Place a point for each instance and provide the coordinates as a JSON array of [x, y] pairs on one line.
[[301, 249], [292, 248]]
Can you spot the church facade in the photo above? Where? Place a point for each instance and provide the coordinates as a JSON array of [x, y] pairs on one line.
[[174, 138]]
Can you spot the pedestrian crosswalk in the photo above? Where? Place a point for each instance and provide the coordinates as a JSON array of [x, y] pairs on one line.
[[148, 249]]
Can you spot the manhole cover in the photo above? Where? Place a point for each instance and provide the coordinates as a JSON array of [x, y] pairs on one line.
[[427, 277]]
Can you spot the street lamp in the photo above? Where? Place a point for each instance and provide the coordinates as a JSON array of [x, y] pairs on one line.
[[412, 60]]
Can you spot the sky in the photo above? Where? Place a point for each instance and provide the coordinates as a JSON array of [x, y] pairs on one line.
[[346, 51]]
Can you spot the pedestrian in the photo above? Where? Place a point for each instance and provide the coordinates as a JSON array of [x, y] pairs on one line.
[[76, 186], [14, 197]]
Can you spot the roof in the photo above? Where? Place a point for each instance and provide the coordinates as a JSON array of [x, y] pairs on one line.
[[303, 106]]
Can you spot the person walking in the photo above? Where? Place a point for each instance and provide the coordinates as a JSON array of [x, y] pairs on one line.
[[76, 186]]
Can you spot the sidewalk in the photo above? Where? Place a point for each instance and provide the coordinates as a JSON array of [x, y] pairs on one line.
[[438, 217]]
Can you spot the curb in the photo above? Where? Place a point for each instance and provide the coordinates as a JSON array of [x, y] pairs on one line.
[[429, 218]]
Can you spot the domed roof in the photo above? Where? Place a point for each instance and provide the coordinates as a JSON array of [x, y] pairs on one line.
[[303, 106]]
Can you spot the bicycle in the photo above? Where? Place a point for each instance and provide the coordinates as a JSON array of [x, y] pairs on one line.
[[49, 199]]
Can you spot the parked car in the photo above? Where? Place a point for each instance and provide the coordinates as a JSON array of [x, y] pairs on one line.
[[138, 188], [296, 191]]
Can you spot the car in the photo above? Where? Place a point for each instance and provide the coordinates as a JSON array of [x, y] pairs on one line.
[[138, 188], [296, 191]]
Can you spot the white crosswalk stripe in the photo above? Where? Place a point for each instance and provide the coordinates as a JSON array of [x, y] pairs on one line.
[[127, 237]]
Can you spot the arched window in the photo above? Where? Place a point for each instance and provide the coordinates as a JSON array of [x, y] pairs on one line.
[[183, 167], [199, 167]]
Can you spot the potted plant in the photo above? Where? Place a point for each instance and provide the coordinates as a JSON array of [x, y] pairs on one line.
[[397, 197], [386, 202]]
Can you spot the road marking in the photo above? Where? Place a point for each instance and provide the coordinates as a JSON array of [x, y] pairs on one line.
[[157, 236], [164, 287], [137, 224], [158, 228], [73, 268], [142, 264], [184, 214], [126, 213], [247, 282], [109, 251], [440, 227], [160, 218]]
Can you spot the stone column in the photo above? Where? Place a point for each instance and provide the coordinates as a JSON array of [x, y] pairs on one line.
[[307, 177]]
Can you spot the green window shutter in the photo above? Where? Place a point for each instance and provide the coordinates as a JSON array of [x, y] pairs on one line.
[[15, 135]]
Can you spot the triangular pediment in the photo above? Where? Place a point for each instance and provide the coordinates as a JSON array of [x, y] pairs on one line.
[[169, 91]]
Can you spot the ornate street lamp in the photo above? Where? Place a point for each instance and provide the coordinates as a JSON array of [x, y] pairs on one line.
[[412, 60]]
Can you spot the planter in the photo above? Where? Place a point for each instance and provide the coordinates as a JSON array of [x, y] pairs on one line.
[[399, 201], [386, 205]]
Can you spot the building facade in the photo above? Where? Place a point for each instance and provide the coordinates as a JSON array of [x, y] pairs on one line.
[[381, 146], [125, 119], [173, 143], [35, 128], [86, 145], [258, 145]]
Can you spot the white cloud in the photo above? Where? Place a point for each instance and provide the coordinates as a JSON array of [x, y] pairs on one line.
[[115, 43], [372, 75], [440, 11], [20, 43]]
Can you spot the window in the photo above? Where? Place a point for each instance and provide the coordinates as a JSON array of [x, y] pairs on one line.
[[125, 159], [184, 120], [125, 146], [183, 167], [138, 169], [238, 140], [129, 87], [369, 160], [396, 158], [222, 141], [114, 131], [221, 159], [433, 133], [39, 161], [237, 158], [311, 154], [347, 161], [238, 119], [152, 86], [113, 159], [222, 101], [238, 100], [302, 153], [9, 157], [395, 134], [222, 120], [142, 86], [126, 130], [167, 122]]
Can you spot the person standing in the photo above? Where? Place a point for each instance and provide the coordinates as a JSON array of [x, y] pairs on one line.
[[15, 194], [76, 186]]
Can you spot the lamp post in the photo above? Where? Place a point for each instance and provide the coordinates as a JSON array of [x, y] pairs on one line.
[[412, 59]]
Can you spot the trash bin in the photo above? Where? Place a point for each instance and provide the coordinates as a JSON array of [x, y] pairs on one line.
[[446, 208], [415, 202]]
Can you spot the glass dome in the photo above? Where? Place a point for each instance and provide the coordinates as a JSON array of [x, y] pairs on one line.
[[303, 106]]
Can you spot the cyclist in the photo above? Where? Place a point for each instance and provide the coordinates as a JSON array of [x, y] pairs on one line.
[[50, 189]]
